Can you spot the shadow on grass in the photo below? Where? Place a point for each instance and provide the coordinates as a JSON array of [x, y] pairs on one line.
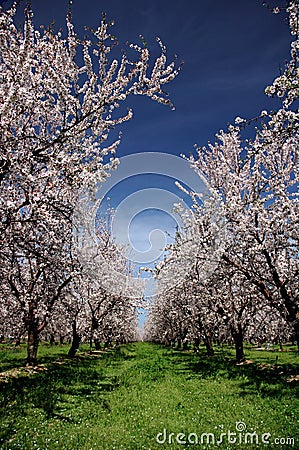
[[12, 357], [55, 390], [68, 385], [268, 379]]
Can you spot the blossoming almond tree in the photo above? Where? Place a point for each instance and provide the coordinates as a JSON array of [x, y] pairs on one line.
[[258, 183], [191, 261], [254, 188], [223, 306], [59, 102], [105, 282]]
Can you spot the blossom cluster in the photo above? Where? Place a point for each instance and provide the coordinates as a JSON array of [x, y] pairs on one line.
[[237, 257], [61, 100]]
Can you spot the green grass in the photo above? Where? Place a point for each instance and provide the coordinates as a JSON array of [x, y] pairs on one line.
[[11, 356], [123, 398]]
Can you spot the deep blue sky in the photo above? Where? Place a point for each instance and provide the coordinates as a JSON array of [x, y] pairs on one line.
[[231, 50]]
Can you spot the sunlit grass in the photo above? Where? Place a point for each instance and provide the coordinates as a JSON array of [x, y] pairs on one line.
[[123, 398]]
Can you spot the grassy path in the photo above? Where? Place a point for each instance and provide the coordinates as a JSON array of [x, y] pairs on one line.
[[124, 398]]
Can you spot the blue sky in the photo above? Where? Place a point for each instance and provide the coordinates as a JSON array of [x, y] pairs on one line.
[[231, 50]]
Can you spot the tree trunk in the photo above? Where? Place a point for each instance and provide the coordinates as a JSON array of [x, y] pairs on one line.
[[90, 342], [296, 332], [185, 344], [209, 344], [238, 340], [196, 345], [75, 341], [97, 343], [32, 343], [94, 326]]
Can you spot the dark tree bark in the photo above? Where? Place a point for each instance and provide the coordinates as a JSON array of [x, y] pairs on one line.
[[33, 332], [209, 344], [239, 346], [76, 339], [296, 331], [97, 344], [196, 345], [32, 344]]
